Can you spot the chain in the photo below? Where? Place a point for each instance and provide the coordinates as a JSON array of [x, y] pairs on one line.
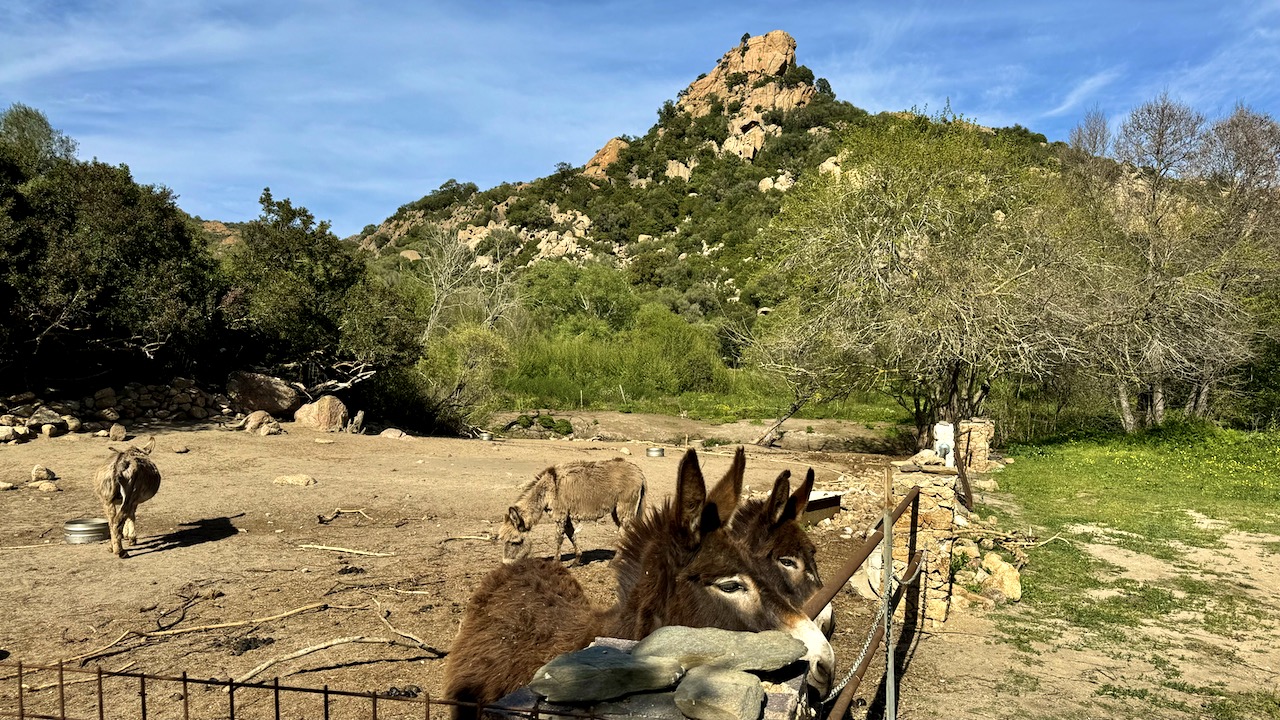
[[894, 583]]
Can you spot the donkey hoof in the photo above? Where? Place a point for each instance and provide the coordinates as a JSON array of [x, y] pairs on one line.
[[122, 554]]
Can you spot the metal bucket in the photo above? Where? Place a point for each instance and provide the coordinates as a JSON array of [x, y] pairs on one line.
[[655, 452], [486, 436], [86, 530]]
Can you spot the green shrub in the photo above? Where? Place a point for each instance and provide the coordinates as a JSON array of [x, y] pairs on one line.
[[562, 427]]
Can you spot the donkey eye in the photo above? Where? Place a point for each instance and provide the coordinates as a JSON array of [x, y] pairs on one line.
[[789, 562], [730, 586]]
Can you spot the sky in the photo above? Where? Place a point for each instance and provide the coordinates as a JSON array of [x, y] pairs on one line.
[[353, 109]]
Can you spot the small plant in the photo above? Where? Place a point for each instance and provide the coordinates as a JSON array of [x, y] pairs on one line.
[[546, 421], [562, 427], [524, 421], [808, 429]]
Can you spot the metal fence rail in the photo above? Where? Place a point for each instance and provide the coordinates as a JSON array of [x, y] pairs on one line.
[[282, 700]]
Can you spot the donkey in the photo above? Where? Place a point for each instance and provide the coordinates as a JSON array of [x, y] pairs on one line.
[[691, 571], [577, 490], [123, 484], [771, 530]]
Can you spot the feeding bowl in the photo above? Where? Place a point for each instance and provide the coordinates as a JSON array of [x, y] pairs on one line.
[[655, 452], [86, 530]]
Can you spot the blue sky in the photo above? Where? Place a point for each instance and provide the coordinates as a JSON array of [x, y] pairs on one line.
[[355, 108]]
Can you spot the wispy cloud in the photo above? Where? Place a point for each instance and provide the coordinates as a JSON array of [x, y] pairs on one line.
[[355, 109], [1083, 91]]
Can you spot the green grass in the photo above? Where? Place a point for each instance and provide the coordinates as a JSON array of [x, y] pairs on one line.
[[1136, 493]]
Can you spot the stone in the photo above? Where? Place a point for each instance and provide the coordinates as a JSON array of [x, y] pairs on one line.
[[395, 434], [50, 430], [254, 391], [255, 420], [7, 486], [271, 428], [181, 449], [73, 423], [117, 432], [926, 457], [198, 413], [1004, 581], [300, 480], [768, 650], [327, 414], [46, 486], [714, 693], [109, 414], [41, 473], [8, 420], [602, 673], [45, 416]]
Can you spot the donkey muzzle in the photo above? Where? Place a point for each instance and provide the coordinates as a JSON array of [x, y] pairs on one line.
[[822, 659]]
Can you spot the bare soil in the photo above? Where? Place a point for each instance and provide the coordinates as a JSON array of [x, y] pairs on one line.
[[221, 544]]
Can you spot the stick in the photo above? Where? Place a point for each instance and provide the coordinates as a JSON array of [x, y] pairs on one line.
[[308, 651], [383, 617], [325, 519], [347, 550], [219, 626], [467, 537], [100, 650]]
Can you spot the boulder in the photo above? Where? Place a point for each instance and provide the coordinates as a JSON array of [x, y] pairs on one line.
[[7, 434], [117, 432], [713, 693], [327, 414], [1003, 582], [255, 391], [768, 650], [602, 673], [41, 473], [299, 480], [45, 416]]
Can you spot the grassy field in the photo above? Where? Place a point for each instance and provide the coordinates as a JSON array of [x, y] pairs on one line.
[[1126, 525]]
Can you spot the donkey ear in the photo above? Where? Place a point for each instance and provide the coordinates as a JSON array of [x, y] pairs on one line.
[[691, 492], [513, 514], [151, 445], [778, 498], [800, 500], [726, 494]]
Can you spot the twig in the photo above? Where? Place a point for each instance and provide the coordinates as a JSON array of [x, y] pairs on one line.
[[308, 650], [99, 651], [1055, 537], [326, 519], [347, 550], [55, 684], [219, 626], [467, 537], [382, 615]]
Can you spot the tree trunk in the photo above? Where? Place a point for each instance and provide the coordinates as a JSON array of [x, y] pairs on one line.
[[771, 435], [1157, 404], [1127, 420]]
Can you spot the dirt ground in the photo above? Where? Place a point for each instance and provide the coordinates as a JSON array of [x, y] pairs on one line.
[[221, 544]]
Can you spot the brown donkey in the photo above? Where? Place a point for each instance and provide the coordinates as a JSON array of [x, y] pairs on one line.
[[577, 490], [123, 484], [771, 528], [691, 571]]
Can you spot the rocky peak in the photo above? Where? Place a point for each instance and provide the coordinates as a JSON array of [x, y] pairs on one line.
[[751, 73]]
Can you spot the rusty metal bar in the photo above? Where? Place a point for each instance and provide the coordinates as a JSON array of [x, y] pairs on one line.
[[142, 694], [21, 709], [101, 706], [186, 710], [842, 703], [326, 702], [374, 715], [275, 693], [832, 588], [62, 693], [231, 699]]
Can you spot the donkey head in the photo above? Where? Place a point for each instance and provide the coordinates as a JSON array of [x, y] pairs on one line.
[[514, 535], [685, 567], [772, 531]]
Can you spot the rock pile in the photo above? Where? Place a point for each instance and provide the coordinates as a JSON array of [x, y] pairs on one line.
[[26, 415], [701, 673]]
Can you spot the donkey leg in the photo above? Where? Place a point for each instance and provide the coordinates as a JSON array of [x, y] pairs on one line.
[[561, 529], [130, 529], [115, 523], [577, 554]]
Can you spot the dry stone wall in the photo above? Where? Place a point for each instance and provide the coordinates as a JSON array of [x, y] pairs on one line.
[[27, 415]]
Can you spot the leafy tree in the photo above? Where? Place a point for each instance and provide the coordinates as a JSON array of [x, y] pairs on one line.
[[29, 141], [927, 268]]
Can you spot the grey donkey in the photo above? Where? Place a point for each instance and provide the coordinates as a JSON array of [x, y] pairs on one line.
[[123, 484]]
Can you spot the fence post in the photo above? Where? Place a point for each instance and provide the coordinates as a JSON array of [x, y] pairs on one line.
[[890, 701], [62, 693], [101, 706], [142, 693], [21, 711]]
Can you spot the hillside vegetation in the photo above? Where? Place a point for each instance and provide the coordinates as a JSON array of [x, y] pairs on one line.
[[764, 249]]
